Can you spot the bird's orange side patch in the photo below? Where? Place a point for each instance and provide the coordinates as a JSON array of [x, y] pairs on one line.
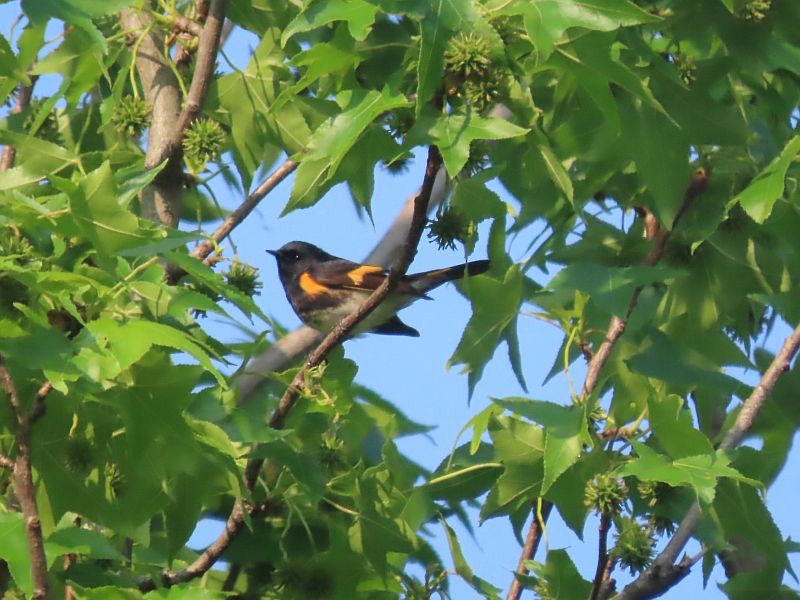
[[357, 275], [311, 286]]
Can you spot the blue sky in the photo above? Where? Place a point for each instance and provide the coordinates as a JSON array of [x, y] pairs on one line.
[[411, 372]]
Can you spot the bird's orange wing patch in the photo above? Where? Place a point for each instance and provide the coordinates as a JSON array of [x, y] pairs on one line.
[[357, 275], [310, 286]]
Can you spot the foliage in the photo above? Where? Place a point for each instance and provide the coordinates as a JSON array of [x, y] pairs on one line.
[[599, 119]]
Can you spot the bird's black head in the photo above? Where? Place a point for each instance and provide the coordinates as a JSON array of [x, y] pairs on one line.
[[296, 257]]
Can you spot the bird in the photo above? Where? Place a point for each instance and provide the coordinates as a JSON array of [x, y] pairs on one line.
[[323, 289]]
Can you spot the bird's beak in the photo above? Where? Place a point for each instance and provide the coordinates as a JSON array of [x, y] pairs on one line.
[[273, 252]]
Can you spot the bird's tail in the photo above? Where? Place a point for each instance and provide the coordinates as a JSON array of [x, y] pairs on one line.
[[428, 280]]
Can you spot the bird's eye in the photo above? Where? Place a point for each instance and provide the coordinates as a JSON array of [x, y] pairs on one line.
[[296, 256]]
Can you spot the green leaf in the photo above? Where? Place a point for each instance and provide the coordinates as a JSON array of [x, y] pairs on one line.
[[566, 432], [563, 579], [75, 12], [699, 472], [186, 592], [172, 239], [567, 493], [14, 550], [554, 167], [663, 166], [375, 534], [750, 529], [461, 484], [758, 198], [672, 426], [494, 309], [204, 275], [36, 159], [307, 471], [334, 138], [132, 180], [339, 56], [107, 592], [444, 17], [453, 134], [479, 424], [76, 540], [663, 360], [546, 21], [520, 448], [97, 212], [360, 16], [462, 566], [609, 287], [11, 73], [130, 340]]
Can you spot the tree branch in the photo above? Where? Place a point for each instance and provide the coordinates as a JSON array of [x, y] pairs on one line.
[[602, 556], [697, 185], [529, 549], [205, 64], [24, 488], [616, 328], [184, 24], [664, 573], [161, 200], [236, 519]]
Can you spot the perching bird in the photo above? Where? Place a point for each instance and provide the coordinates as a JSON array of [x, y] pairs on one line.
[[323, 289]]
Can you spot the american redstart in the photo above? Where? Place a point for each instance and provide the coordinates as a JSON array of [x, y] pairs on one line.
[[323, 289]]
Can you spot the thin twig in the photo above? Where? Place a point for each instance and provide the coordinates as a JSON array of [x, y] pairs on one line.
[[185, 24], [206, 247], [608, 585], [205, 64], [24, 95], [161, 200], [231, 577], [528, 550], [602, 556], [24, 489], [616, 328], [664, 573], [245, 208], [236, 519]]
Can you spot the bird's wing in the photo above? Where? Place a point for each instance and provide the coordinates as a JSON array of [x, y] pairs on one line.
[[345, 274]]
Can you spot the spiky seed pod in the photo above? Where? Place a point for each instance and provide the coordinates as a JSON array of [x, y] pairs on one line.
[[48, 129], [686, 67], [79, 456], [634, 545], [244, 278], [203, 142], [449, 227], [755, 10], [605, 494], [132, 116]]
